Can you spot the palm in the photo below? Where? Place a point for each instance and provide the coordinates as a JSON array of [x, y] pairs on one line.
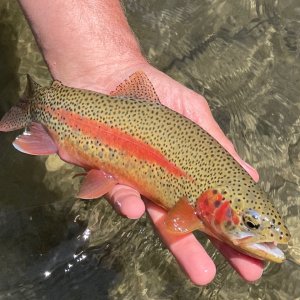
[[187, 250]]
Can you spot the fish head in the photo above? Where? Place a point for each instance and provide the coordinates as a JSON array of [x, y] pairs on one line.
[[246, 221]]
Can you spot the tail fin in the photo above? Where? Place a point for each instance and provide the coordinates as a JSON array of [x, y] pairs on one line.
[[16, 118], [19, 116]]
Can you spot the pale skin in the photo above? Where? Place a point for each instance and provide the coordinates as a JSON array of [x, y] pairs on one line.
[[89, 44]]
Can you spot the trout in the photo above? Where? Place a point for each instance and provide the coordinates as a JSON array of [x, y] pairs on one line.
[[129, 137]]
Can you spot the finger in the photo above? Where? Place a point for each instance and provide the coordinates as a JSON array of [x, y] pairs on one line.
[[189, 253], [249, 268], [126, 201], [249, 169]]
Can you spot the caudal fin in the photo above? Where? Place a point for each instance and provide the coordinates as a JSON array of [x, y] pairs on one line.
[[18, 116]]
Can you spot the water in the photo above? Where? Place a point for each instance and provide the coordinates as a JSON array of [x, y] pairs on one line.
[[243, 56]]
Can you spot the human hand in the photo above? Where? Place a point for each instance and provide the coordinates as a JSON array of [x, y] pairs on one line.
[[187, 250], [88, 44]]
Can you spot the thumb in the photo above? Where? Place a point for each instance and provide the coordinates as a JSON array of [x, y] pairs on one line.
[[126, 201]]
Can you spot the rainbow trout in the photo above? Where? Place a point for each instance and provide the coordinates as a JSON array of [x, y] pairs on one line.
[[125, 138]]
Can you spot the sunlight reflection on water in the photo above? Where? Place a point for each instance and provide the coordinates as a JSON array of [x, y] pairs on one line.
[[244, 57]]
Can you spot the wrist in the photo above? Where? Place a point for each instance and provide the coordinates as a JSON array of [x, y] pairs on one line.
[[81, 40], [97, 75]]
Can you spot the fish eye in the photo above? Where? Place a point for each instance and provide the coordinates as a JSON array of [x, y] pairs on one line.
[[251, 219], [252, 225]]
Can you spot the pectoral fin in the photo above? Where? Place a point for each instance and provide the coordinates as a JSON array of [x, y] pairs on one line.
[[137, 86], [182, 218], [96, 184], [35, 141]]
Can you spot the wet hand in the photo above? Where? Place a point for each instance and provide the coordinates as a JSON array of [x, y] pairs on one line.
[[97, 53], [189, 253]]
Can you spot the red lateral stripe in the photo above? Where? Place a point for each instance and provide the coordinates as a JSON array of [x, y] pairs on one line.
[[117, 139]]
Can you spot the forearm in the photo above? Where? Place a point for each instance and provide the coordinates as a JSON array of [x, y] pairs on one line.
[[89, 44], [82, 38]]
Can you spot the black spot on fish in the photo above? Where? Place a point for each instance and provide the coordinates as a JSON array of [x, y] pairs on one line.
[[217, 203]]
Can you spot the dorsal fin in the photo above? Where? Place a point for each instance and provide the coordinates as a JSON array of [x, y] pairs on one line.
[[137, 86]]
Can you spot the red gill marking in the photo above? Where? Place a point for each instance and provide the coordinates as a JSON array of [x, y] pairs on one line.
[[115, 138], [235, 219], [208, 202], [211, 205], [223, 213]]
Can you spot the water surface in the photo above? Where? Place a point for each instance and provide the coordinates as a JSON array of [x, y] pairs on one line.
[[243, 56]]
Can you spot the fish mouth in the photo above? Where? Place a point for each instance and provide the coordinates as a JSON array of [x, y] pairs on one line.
[[258, 248], [254, 246], [263, 250]]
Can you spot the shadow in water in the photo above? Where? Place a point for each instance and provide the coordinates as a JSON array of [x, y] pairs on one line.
[[9, 61]]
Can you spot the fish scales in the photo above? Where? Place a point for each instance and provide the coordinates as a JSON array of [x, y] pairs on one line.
[[181, 141], [165, 156]]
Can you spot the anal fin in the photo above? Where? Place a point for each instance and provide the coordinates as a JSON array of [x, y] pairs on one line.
[[96, 184], [137, 86], [182, 218], [35, 141]]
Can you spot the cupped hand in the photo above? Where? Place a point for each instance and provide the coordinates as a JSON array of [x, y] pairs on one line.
[[189, 253], [90, 45]]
